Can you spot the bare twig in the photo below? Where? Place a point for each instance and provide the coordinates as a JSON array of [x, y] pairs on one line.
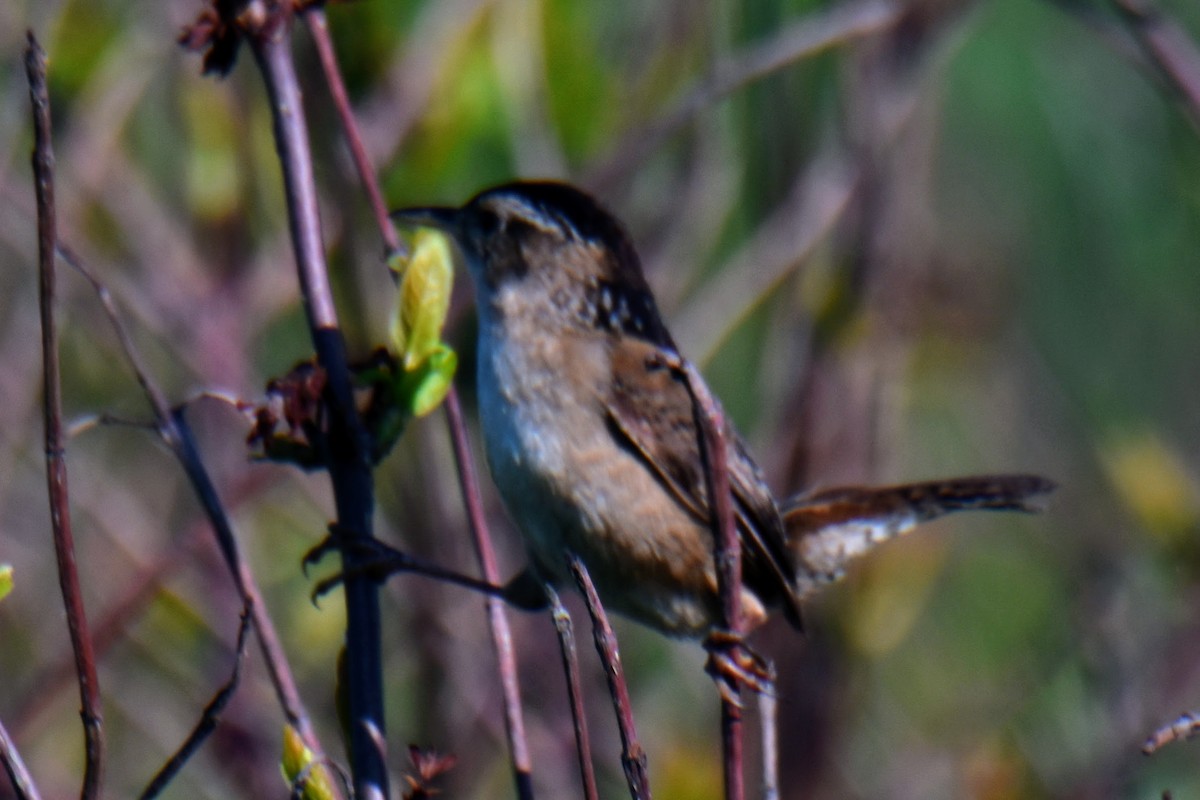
[[570, 656], [633, 757], [208, 718], [767, 707], [280, 671], [497, 618], [318, 26], [710, 424], [347, 446], [1181, 729], [811, 36], [174, 431], [56, 467], [22, 782]]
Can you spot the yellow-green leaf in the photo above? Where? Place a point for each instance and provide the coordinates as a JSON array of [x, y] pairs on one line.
[[299, 763], [423, 298], [431, 381], [6, 580]]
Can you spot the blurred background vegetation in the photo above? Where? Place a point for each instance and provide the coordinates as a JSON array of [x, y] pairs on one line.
[[963, 238]]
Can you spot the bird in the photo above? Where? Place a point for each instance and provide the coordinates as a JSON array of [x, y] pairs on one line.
[[591, 436]]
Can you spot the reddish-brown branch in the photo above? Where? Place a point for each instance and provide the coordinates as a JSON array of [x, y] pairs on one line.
[[318, 26], [56, 467], [501, 633], [633, 757]]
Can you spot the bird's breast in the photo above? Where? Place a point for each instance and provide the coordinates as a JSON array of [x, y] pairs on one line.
[[538, 411], [569, 485]]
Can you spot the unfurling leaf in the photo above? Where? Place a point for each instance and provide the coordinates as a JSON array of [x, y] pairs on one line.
[[299, 765], [423, 298], [426, 386], [426, 363]]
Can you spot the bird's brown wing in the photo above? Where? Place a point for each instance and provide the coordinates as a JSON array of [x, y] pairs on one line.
[[829, 529], [650, 411]]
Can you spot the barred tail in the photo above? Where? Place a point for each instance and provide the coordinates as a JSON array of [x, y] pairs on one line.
[[829, 529]]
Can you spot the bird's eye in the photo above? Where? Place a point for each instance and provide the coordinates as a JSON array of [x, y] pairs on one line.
[[487, 222]]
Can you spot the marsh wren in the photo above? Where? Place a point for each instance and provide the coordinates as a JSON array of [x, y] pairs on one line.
[[592, 442]]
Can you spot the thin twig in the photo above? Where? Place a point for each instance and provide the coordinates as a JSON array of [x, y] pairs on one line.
[[175, 432], [514, 719], [22, 782], [56, 467], [105, 419], [208, 718], [811, 36], [710, 423], [275, 658], [1180, 729], [570, 657], [769, 731], [497, 617], [347, 445], [387, 560], [633, 757], [318, 26]]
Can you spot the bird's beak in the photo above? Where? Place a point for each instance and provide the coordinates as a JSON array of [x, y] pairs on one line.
[[443, 218]]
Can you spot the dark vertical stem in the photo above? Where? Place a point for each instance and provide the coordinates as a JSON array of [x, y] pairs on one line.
[[347, 447], [497, 619], [633, 757], [710, 423], [56, 467], [570, 657]]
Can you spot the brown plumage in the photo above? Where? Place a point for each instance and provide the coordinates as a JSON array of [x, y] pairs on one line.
[[592, 443]]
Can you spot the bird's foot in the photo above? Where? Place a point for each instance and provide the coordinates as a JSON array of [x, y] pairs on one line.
[[731, 664]]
